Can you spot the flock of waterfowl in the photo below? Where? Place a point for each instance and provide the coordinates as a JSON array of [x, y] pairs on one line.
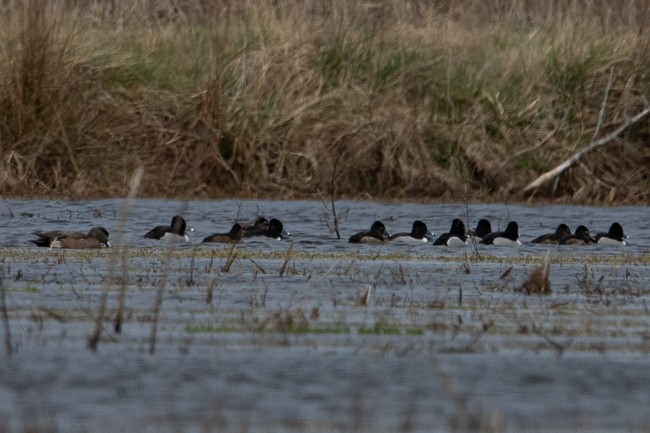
[[98, 237], [457, 236]]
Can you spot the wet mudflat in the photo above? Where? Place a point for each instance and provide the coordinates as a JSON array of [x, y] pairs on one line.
[[282, 340]]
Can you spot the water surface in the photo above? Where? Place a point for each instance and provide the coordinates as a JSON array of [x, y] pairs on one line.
[[438, 348]]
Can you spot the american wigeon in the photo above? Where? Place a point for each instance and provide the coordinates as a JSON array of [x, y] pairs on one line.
[[176, 231], [456, 237], [580, 237], [274, 230], [615, 236], [483, 228], [233, 236], [95, 238], [419, 233], [510, 236], [376, 234], [562, 231]]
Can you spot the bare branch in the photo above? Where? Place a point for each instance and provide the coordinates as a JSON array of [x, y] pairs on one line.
[[594, 144]]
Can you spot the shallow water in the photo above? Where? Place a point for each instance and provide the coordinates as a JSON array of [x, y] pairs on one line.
[[436, 349], [306, 220]]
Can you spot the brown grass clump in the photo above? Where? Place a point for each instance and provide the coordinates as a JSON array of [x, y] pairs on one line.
[[539, 281], [251, 99]]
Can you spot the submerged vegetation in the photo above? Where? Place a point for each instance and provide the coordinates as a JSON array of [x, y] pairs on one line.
[[216, 255], [478, 301], [302, 98]]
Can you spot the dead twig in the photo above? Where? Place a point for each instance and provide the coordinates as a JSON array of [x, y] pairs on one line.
[[210, 290], [601, 115], [157, 307], [595, 144], [117, 326], [5, 317], [365, 298], [285, 262], [472, 238], [136, 179], [333, 181], [232, 255]]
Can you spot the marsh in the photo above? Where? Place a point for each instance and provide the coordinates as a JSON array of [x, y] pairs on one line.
[[282, 342]]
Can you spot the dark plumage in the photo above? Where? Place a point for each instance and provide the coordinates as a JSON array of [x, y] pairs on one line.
[[483, 228], [255, 228], [176, 230], [419, 233], [274, 230], [615, 236], [561, 232], [455, 237], [233, 236], [510, 236], [580, 237], [376, 234]]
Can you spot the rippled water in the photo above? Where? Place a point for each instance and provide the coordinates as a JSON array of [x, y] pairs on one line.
[[436, 349], [306, 220]]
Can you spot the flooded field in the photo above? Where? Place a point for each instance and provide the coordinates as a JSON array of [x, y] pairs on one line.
[[314, 334]]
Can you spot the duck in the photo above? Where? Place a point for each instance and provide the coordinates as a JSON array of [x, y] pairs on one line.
[[419, 233], [256, 227], [615, 236], [562, 231], [580, 237], [95, 238], [176, 231], [233, 236], [376, 234], [483, 228], [456, 236], [274, 230], [510, 236]]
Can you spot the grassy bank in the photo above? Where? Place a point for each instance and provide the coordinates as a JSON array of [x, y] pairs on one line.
[[378, 99]]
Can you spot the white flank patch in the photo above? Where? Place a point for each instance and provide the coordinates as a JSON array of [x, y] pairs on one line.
[[505, 242], [173, 237], [456, 242], [612, 242], [409, 239]]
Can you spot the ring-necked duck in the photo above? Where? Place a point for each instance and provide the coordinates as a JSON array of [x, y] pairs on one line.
[[419, 233], [274, 230], [510, 236], [562, 231], [483, 228], [233, 236], [376, 234], [255, 228], [580, 237], [615, 236], [95, 238], [456, 236], [176, 231]]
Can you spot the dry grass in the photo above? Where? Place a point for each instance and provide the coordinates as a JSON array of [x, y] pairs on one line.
[[539, 281], [252, 100]]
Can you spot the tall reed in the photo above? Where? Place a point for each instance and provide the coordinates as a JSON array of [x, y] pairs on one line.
[[411, 99], [5, 317]]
